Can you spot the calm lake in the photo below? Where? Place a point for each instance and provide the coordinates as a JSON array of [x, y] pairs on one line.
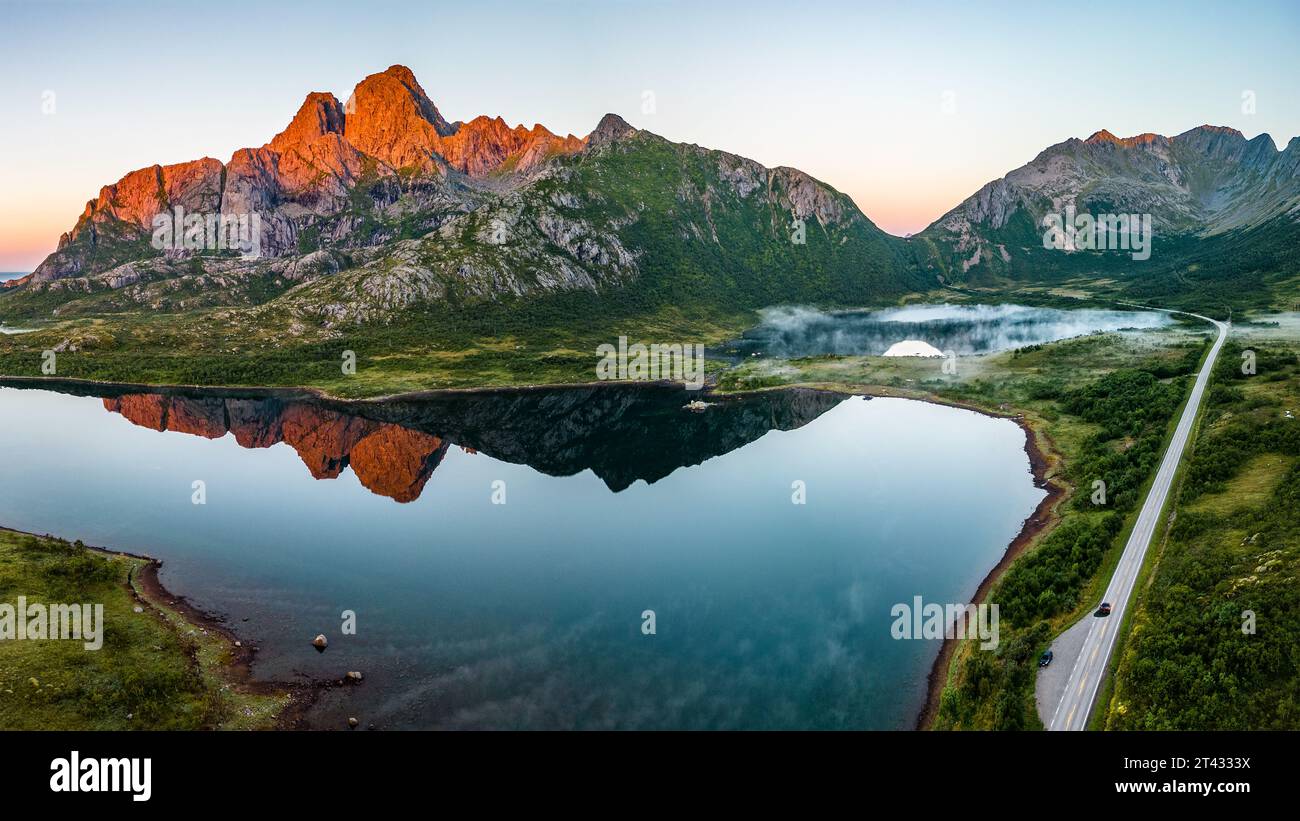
[[472, 613], [964, 329]]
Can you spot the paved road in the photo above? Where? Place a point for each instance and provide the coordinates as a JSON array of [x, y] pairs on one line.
[[1088, 668]]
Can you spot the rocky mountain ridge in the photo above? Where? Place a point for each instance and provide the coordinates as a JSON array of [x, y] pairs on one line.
[[379, 204], [1201, 183], [388, 128]]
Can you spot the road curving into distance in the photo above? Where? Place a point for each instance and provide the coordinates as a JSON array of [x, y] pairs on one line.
[[1089, 659]]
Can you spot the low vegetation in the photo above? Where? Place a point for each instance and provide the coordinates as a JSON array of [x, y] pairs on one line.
[[1194, 659], [1103, 405], [1130, 411], [154, 671], [529, 342]]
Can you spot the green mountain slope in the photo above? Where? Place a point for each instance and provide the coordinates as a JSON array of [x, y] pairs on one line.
[[1225, 215]]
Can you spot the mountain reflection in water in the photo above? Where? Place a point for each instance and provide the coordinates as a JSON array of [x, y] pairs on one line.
[[772, 608], [394, 446]]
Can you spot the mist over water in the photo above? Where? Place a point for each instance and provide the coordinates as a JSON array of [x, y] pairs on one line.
[[791, 331]]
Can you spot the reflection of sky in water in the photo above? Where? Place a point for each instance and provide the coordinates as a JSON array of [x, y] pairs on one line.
[[965, 329], [527, 615]]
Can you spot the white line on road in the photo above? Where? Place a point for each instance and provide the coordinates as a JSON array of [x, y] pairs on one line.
[[1100, 642]]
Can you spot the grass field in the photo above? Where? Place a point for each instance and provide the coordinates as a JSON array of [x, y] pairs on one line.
[[1215, 639], [154, 671], [497, 347]]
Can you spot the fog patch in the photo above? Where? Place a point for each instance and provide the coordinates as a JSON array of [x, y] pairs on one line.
[[794, 331]]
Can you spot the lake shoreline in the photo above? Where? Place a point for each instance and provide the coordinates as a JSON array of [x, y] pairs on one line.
[[320, 394], [1039, 522], [149, 591], [1042, 459]]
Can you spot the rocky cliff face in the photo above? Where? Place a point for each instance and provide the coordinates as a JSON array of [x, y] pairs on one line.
[[378, 204], [389, 129], [1201, 183]]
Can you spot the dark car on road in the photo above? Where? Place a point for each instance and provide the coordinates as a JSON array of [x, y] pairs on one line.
[[1045, 659], [1104, 610]]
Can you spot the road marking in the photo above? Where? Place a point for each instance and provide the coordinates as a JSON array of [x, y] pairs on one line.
[[1124, 578]]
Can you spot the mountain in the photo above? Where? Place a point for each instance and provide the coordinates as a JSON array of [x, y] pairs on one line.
[[379, 205], [475, 253], [394, 447], [302, 179], [1209, 183]]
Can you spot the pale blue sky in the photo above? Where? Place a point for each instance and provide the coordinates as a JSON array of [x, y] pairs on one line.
[[853, 93]]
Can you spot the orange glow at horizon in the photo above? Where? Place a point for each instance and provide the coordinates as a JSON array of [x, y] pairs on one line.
[[29, 231]]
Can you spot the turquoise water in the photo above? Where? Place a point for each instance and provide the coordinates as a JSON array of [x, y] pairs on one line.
[[529, 614]]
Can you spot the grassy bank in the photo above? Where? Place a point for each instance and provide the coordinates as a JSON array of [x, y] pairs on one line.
[[156, 670], [1102, 406], [1192, 659], [1110, 429], [550, 341], [539, 340]]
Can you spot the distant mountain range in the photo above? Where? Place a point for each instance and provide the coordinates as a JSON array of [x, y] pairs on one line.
[[1209, 181], [378, 205]]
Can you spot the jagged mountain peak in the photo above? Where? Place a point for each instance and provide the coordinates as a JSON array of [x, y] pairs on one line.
[[1200, 132], [1104, 137], [1209, 130], [389, 117], [389, 125], [610, 128], [1201, 135], [1204, 181], [370, 207], [321, 113], [403, 76]]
